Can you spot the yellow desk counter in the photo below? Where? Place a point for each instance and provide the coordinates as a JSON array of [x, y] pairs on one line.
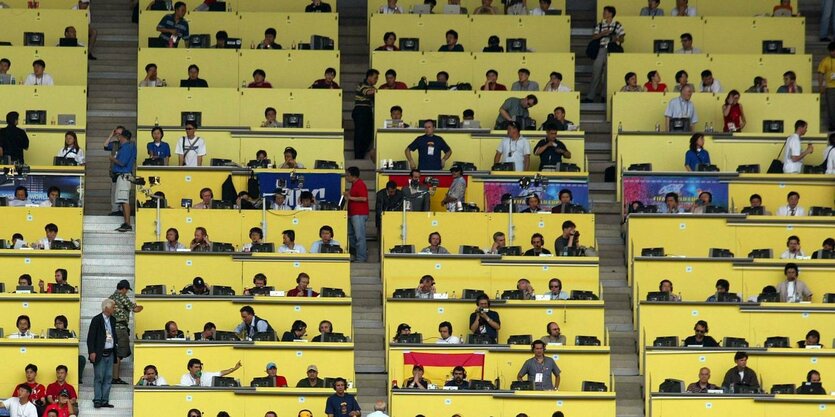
[[176, 270], [708, 8], [56, 99], [30, 222], [407, 5], [576, 318], [286, 6], [192, 312], [41, 309], [576, 363], [439, 403], [40, 264], [45, 353], [489, 273], [67, 66], [678, 405], [56, 4], [244, 402], [50, 22], [292, 359]]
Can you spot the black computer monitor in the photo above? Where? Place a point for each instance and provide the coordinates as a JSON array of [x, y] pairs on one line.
[[663, 46], [409, 44], [195, 117], [200, 41], [35, 117], [516, 45], [295, 120]]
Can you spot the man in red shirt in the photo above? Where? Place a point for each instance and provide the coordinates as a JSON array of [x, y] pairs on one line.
[[63, 405], [272, 372], [357, 198], [38, 396], [54, 389], [392, 83]]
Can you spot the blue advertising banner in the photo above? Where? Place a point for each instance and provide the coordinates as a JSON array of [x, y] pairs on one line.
[[548, 195], [325, 187], [651, 189], [37, 186]]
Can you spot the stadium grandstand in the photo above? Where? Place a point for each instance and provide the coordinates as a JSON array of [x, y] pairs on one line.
[[348, 208]]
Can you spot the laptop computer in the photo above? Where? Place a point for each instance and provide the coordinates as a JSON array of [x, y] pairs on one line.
[[452, 9], [471, 124], [421, 9], [68, 42], [553, 12], [393, 124], [66, 119]]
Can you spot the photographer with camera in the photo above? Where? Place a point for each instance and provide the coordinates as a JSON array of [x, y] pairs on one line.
[[485, 321], [568, 241], [123, 161], [417, 194]]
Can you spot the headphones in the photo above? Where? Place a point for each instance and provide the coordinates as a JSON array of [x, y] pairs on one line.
[[462, 369], [259, 276]]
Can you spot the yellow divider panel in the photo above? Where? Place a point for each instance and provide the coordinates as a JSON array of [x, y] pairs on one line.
[[46, 354], [407, 5], [41, 309], [41, 265], [67, 66], [30, 222], [312, 64], [210, 402], [703, 7], [45, 145], [51, 22], [54, 99], [287, 6], [414, 403], [181, 183]]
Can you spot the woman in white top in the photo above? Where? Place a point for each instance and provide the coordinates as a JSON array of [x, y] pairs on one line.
[[829, 155], [71, 150]]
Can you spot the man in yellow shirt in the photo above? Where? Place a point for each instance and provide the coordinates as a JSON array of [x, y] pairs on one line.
[[826, 80]]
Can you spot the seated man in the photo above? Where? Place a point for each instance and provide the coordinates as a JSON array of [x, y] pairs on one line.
[[551, 150], [259, 80], [270, 118], [760, 85], [789, 84], [312, 380], [306, 201], [196, 377], [793, 290], [700, 338], [25, 280], [452, 44], [325, 327], [20, 405], [681, 107], [671, 204], [194, 80], [252, 324], [435, 245], [539, 369], [173, 27], [703, 384], [23, 325], [514, 148], [325, 238], [290, 154], [151, 378], [38, 76], [722, 287], [62, 405], [296, 332], [403, 329], [524, 83], [468, 114], [493, 42], [652, 9], [459, 379], [446, 337], [537, 241], [484, 321], [220, 39], [741, 374], [524, 286], [426, 287], [392, 83], [328, 82], [206, 197], [256, 236], [60, 279], [272, 373], [544, 6], [828, 245], [52, 195], [499, 242], [416, 194], [667, 286], [208, 333], [289, 243], [757, 201], [302, 288], [709, 84], [317, 6], [201, 242], [21, 197], [491, 83], [514, 107], [793, 208], [555, 84], [566, 204], [197, 287], [555, 291], [172, 331], [54, 389], [417, 381], [388, 199], [429, 148], [570, 238], [687, 45], [38, 396], [51, 236], [151, 79], [683, 9], [793, 250], [557, 120], [532, 202], [554, 335], [269, 40]]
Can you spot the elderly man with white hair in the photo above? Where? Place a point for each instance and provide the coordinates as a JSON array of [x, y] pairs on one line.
[[379, 409], [101, 348]]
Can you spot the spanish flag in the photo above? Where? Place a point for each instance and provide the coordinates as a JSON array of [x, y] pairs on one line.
[[437, 367]]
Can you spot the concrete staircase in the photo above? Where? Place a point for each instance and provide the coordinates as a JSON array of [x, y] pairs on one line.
[[111, 95], [108, 258], [816, 48], [369, 334]]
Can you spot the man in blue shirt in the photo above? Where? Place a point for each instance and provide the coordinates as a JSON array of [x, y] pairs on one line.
[[123, 161], [174, 25], [342, 404], [429, 149]]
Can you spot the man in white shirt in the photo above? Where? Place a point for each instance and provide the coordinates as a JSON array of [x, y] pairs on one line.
[[687, 45], [20, 406], [191, 148], [379, 409], [197, 378], [543, 6], [446, 337], [391, 7], [709, 84], [21, 197], [51, 235], [38, 76], [514, 148], [52, 195], [555, 291], [793, 250], [792, 208], [683, 9], [555, 84], [682, 107], [290, 245], [793, 158]]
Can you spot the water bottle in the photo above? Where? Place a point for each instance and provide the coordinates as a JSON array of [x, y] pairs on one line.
[[453, 295], [620, 127], [188, 335], [394, 384], [711, 127], [156, 121], [243, 84], [310, 292], [657, 127]]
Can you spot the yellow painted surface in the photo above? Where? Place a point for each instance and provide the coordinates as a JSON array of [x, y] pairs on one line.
[[54, 100], [57, 4], [177, 271], [730, 406], [272, 6], [187, 183], [51, 22], [30, 222], [46, 354], [193, 313], [442, 404], [44, 146], [41, 310], [703, 7], [179, 402], [67, 66], [575, 318], [41, 265], [374, 6]]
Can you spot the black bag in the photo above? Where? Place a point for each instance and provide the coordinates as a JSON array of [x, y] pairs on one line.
[[614, 48], [593, 49], [228, 192], [153, 162], [776, 166]]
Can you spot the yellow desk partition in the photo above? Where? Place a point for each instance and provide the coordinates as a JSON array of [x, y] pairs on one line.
[[322, 108], [44, 145], [291, 28], [711, 34], [471, 67], [553, 32], [41, 265], [30, 222], [457, 228], [41, 309], [232, 226], [517, 317], [178, 182], [454, 274], [56, 4], [67, 66], [703, 7], [310, 63], [192, 312], [501, 404], [734, 405], [176, 270], [51, 22], [55, 100], [577, 364], [241, 402], [418, 105], [407, 5], [45, 353]]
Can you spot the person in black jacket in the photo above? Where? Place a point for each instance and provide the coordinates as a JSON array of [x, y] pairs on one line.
[[700, 338], [101, 345], [296, 332], [741, 374], [13, 140]]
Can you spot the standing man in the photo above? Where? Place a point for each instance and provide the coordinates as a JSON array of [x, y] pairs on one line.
[[429, 148], [111, 144], [173, 27], [608, 31], [357, 198], [793, 158], [191, 148], [457, 190], [539, 369], [342, 404], [123, 161], [13, 140], [681, 107], [121, 313], [101, 348], [514, 148], [826, 81], [363, 113], [252, 324]]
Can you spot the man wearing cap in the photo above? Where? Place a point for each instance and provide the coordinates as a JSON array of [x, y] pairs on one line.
[[455, 194], [20, 406], [252, 324], [272, 373], [63, 406], [197, 287], [122, 315], [312, 380], [429, 148], [342, 404], [197, 378], [122, 173]]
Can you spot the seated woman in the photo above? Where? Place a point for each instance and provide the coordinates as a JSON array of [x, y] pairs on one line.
[[259, 80], [172, 240], [201, 242], [255, 235], [525, 286], [270, 114], [632, 84], [71, 150], [654, 84], [297, 332], [681, 81], [403, 329], [734, 117], [417, 381], [157, 149], [23, 329], [290, 162], [280, 200], [388, 42], [697, 154]]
